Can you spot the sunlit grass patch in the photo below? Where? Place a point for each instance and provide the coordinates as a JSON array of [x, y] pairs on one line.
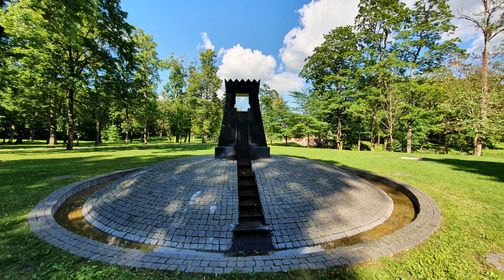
[[468, 190]]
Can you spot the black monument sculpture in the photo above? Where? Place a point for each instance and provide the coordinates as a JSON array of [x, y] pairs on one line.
[[242, 138], [242, 132]]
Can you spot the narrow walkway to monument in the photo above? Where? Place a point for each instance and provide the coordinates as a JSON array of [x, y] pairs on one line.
[[251, 236]]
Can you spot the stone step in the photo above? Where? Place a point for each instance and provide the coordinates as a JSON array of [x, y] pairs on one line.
[[248, 193], [250, 215], [246, 173], [250, 207], [249, 202], [251, 227], [247, 183]]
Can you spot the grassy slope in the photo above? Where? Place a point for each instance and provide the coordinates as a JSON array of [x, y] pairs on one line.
[[469, 191]]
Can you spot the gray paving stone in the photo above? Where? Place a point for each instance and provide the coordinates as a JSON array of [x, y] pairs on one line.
[[294, 191], [179, 194], [297, 229]]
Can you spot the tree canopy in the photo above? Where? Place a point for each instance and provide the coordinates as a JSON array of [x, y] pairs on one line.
[[394, 80]]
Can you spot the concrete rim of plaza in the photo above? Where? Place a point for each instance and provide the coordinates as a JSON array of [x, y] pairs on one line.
[[283, 258]]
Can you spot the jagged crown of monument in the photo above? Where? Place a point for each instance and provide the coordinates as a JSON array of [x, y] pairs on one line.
[[247, 86]]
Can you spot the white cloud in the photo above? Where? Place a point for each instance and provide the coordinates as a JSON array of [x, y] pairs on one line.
[[244, 63], [220, 52], [316, 19], [470, 36], [320, 16], [207, 43], [466, 30], [285, 82]]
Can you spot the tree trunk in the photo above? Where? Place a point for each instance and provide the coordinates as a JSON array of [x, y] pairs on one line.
[[340, 135], [127, 120], [52, 136], [308, 140], [176, 138], [479, 137], [12, 133], [98, 139], [144, 135], [32, 134], [391, 136], [70, 119], [358, 143], [478, 144], [20, 134], [52, 124], [385, 143], [203, 140], [373, 127], [285, 140], [410, 138], [484, 71]]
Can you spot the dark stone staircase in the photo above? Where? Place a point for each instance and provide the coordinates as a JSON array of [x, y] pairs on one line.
[[251, 236]]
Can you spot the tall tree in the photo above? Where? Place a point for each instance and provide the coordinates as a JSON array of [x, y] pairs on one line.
[[203, 84], [377, 23], [175, 91], [463, 98], [423, 49], [78, 32], [146, 80], [331, 70], [490, 22], [23, 66], [275, 113]]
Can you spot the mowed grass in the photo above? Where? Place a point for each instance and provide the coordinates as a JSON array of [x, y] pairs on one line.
[[468, 190]]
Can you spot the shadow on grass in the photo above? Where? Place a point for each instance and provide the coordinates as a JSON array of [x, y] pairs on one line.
[[332, 162], [290, 144], [24, 182], [495, 170], [160, 147]]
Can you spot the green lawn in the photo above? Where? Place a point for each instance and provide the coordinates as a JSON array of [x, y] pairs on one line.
[[469, 191]]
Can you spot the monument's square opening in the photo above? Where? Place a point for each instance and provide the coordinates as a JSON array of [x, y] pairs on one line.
[[242, 102]]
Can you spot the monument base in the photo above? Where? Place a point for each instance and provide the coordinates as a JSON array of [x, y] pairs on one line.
[[225, 152], [259, 152], [229, 152]]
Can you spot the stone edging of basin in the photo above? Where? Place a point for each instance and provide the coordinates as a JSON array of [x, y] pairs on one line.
[[43, 224]]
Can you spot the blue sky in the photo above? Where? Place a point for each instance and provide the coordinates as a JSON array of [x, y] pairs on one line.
[[177, 25], [260, 39]]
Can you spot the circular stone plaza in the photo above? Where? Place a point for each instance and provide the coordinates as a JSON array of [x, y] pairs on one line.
[[186, 213]]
